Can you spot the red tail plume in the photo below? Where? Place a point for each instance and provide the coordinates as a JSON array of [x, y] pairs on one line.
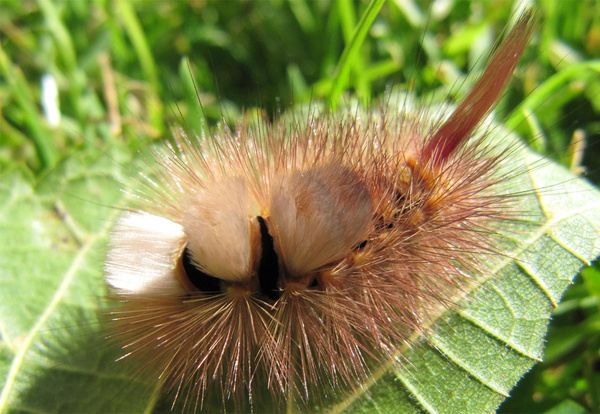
[[484, 95]]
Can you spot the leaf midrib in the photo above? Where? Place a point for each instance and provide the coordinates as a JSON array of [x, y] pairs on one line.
[[544, 229]]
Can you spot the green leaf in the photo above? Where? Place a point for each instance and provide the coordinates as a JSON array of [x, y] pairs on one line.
[[55, 357], [52, 242]]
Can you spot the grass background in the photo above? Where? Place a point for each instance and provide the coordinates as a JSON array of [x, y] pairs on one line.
[[123, 74]]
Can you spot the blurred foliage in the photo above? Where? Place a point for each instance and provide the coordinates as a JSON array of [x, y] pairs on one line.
[[126, 71]]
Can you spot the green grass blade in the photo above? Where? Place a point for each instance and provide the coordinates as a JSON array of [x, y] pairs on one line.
[[46, 152], [549, 88], [351, 51]]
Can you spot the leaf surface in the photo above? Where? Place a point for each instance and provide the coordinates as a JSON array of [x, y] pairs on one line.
[[475, 354], [54, 356], [52, 242]]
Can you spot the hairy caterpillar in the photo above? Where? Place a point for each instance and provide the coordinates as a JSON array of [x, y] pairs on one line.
[[390, 338], [300, 254]]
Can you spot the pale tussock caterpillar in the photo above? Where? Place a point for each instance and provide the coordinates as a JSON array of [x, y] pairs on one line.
[[351, 306]]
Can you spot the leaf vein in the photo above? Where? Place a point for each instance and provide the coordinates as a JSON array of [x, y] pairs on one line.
[[28, 340]]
